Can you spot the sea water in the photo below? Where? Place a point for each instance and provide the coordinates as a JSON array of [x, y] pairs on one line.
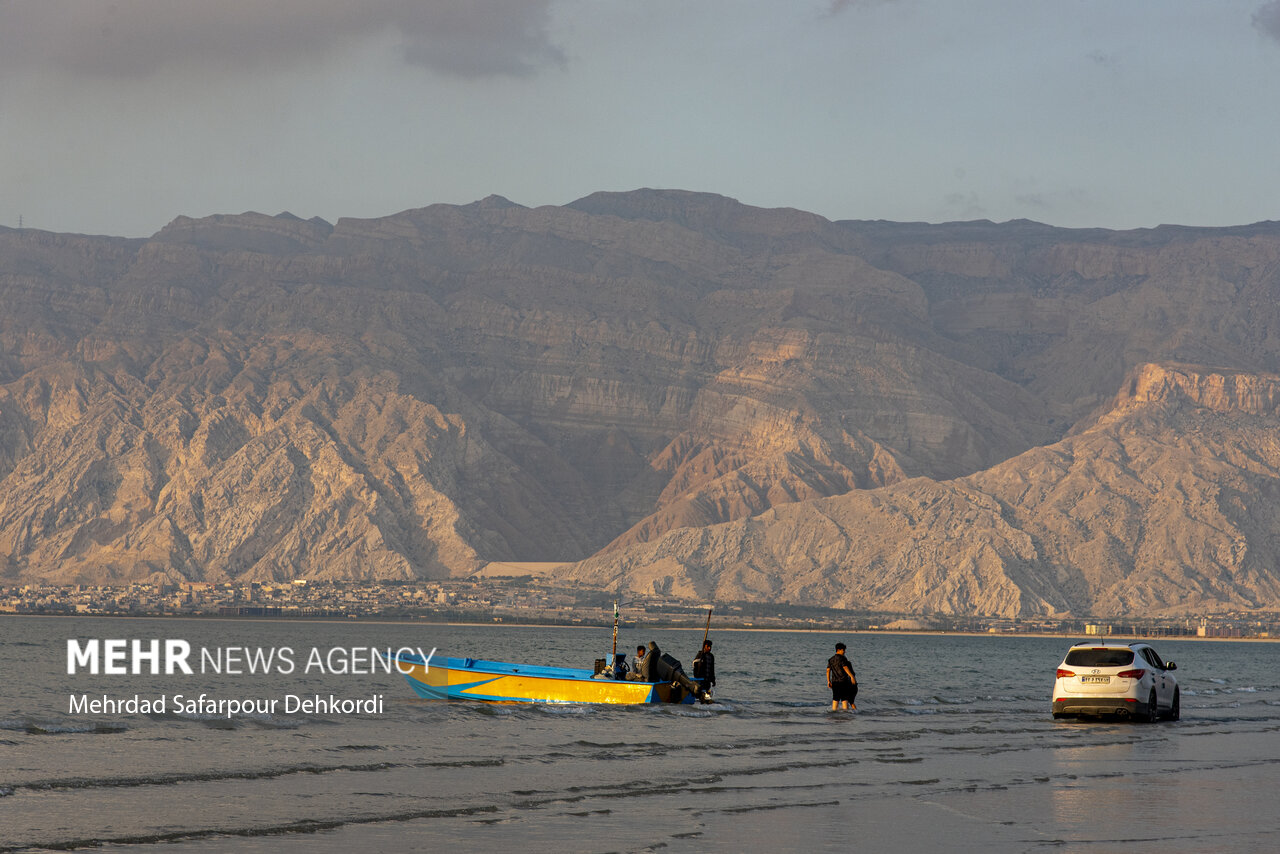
[[952, 748]]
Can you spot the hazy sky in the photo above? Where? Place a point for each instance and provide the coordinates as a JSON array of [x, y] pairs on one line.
[[118, 115]]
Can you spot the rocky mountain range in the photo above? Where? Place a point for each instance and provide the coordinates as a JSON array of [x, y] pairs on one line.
[[665, 391]]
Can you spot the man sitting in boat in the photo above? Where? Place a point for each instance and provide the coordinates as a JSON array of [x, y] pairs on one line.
[[637, 663]]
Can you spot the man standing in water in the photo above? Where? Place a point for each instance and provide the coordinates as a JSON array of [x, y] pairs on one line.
[[704, 667], [841, 681]]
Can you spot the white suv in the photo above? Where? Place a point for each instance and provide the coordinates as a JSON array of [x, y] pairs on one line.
[[1110, 678]]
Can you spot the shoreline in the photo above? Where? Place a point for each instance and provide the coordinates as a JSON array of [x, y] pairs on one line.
[[633, 627]]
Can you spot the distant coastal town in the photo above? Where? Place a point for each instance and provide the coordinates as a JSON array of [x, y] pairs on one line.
[[532, 602]]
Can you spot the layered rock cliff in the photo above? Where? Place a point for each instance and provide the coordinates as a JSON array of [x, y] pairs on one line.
[[637, 381], [1167, 505]]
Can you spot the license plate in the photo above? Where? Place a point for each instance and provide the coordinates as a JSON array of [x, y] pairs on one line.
[[1095, 679]]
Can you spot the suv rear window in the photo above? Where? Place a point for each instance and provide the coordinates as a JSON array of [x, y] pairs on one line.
[[1100, 657]]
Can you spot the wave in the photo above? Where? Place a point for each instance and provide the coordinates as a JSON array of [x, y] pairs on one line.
[[690, 712], [558, 709], [475, 813], [168, 779], [786, 766], [765, 807], [31, 726], [301, 826], [357, 747]]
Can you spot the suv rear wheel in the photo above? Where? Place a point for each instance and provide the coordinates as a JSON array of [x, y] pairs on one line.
[[1153, 709]]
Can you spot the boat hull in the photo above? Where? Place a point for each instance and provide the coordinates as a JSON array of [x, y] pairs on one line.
[[503, 682]]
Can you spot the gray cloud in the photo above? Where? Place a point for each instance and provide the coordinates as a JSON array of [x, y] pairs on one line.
[[141, 38], [1104, 59], [1267, 19], [837, 6]]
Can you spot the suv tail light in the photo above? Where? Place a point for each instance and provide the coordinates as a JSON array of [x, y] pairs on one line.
[[1131, 674], [1064, 673]]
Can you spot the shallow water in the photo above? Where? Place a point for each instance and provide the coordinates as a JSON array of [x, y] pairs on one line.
[[952, 748]]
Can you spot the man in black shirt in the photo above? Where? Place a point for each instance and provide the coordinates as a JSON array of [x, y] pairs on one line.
[[704, 667], [841, 681]]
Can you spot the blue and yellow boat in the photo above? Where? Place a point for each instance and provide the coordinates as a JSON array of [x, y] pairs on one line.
[[440, 678]]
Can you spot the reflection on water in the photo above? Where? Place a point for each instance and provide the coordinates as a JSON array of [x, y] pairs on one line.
[[952, 748], [1090, 797]]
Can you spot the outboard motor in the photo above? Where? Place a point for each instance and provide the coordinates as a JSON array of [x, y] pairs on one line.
[[669, 669]]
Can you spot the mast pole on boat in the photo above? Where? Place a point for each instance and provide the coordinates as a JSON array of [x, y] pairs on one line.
[[613, 658]]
